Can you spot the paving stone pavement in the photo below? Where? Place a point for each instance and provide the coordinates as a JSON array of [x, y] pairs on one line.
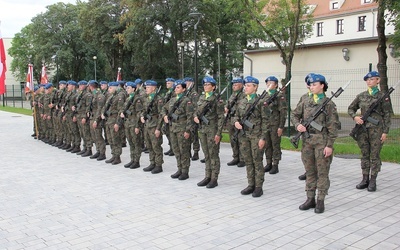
[[51, 199]]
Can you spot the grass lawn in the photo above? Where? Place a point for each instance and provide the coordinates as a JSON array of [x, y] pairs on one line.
[[16, 110]]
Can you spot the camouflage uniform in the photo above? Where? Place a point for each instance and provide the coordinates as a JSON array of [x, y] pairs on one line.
[[48, 105], [72, 123], [98, 102], [59, 128], [166, 128], [195, 144], [83, 108]]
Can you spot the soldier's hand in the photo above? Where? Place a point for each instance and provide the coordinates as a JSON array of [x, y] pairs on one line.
[[103, 117], [261, 144], [73, 108], [226, 110], [383, 137], [196, 120], [358, 120], [166, 119], [238, 126], [122, 115], [280, 131], [94, 125], [74, 119], [137, 130], [186, 135], [116, 127], [83, 121], [142, 119], [48, 117], [217, 139], [64, 118], [157, 133], [301, 128], [328, 151]]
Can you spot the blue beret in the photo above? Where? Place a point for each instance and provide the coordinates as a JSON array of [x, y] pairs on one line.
[[371, 74], [131, 84], [82, 82], [209, 79], [103, 82], [251, 79], [316, 78], [180, 82], [121, 83], [169, 79], [138, 81], [49, 85], [35, 88], [113, 84], [150, 83], [272, 78], [308, 76], [188, 79], [237, 80], [71, 82], [62, 82], [92, 82]]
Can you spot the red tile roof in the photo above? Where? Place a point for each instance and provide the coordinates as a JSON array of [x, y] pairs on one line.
[[323, 7]]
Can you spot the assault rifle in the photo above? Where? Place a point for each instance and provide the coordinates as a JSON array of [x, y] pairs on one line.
[[78, 102], [310, 121], [249, 112], [272, 98], [171, 114], [107, 107], [367, 115], [65, 107], [207, 107], [231, 111], [147, 115]]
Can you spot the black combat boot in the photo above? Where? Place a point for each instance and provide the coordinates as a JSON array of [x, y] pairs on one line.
[[76, 149], [309, 203], [268, 167], [171, 153], [195, 156], [212, 184], [274, 169], [320, 207], [135, 165], [101, 157], [364, 182], [302, 177], [167, 152], [203, 160], [82, 151], [258, 191], [183, 176], [156, 170], [87, 153], [149, 168], [233, 162], [97, 154], [71, 147], [204, 182], [117, 160], [248, 190], [241, 164], [176, 175], [129, 164], [372, 184], [109, 160]]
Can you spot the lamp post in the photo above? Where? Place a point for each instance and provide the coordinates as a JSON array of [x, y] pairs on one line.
[[218, 41], [198, 16], [182, 45], [94, 59]]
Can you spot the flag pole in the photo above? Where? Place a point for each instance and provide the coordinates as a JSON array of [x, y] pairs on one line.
[[34, 115]]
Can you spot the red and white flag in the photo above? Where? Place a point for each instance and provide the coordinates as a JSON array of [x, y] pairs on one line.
[[43, 78], [119, 75], [29, 79], [3, 67]]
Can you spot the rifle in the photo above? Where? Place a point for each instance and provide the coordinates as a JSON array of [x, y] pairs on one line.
[[171, 114], [107, 107], [245, 119], [58, 107], [230, 112], [207, 108], [310, 121], [78, 102], [272, 98], [147, 115], [66, 106], [367, 115]]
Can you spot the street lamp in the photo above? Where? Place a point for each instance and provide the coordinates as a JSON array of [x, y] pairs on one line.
[[198, 16], [182, 45], [218, 41], [94, 59]]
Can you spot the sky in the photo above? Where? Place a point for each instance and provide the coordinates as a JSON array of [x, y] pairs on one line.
[[16, 14]]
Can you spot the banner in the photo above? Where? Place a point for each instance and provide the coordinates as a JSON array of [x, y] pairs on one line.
[[3, 67], [29, 79], [43, 78]]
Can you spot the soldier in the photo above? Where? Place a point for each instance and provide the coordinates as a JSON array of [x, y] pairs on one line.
[[131, 108], [141, 94], [179, 118], [122, 129], [276, 123], [35, 114], [212, 109], [169, 82], [372, 138], [152, 119], [48, 105], [237, 95], [252, 140], [41, 124], [83, 109], [194, 97], [317, 150], [58, 125], [96, 126], [106, 94], [71, 118], [110, 111]]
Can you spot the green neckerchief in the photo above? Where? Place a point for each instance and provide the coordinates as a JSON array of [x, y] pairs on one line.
[[131, 95], [373, 91], [251, 97], [151, 96], [271, 91], [309, 92], [95, 91], [237, 91], [178, 96], [318, 97], [209, 94]]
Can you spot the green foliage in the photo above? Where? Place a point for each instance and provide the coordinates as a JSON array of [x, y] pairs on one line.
[[21, 111]]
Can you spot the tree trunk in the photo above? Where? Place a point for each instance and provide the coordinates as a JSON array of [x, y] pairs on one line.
[[381, 49]]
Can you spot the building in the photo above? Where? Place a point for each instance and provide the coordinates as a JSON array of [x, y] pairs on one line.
[[342, 47]]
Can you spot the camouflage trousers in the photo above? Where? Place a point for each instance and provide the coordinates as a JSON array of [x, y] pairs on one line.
[[166, 132], [58, 128], [253, 158], [211, 153], [49, 133], [317, 166], [67, 134], [195, 140], [135, 144], [370, 145], [97, 137], [74, 132], [115, 138], [235, 144], [153, 144], [84, 132], [180, 147], [273, 153]]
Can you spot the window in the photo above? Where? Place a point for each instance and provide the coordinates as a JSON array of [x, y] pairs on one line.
[[361, 23], [335, 5], [339, 26], [319, 28]]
